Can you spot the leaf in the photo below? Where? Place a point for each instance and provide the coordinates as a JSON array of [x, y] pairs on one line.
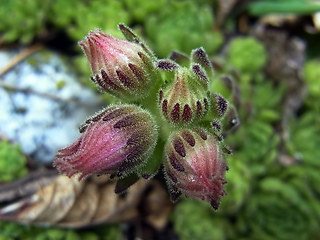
[[66, 202]]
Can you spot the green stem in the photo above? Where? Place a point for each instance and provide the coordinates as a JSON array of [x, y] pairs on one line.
[[151, 102]]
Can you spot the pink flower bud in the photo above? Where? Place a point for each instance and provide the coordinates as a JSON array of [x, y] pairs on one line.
[[120, 67], [185, 99], [116, 140], [195, 165]]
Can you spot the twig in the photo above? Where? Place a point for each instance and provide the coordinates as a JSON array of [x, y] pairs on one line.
[[11, 87], [19, 57]]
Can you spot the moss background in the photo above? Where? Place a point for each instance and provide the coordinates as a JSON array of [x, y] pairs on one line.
[[273, 181]]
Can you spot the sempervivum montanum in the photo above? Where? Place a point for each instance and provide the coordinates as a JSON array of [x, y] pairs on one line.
[[167, 114]]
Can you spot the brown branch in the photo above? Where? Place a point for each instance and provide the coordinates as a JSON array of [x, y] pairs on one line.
[[14, 88], [19, 57]]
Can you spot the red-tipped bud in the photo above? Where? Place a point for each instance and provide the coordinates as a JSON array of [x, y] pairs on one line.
[[195, 165], [120, 67], [116, 140], [185, 99], [200, 56], [219, 105]]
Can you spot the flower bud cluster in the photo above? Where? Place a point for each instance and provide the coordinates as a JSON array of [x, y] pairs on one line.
[[167, 113]]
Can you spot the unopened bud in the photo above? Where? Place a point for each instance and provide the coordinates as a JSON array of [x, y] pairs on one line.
[[119, 67], [118, 139], [195, 165]]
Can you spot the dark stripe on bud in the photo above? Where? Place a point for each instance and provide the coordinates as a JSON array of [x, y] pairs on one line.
[[174, 195], [107, 80], [206, 104], [160, 95], [137, 72], [202, 134], [167, 65], [187, 113], [214, 204], [172, 177], [145, 59], [165, 107], [98, 81], [175, 113], [199, 108], [226, 150], [83, 128], [218, 137], [200, 73], [124, 79], [99, 116], [200, 56], [125, 122], [222, 105], [175, 163], [128, 34], [189, 138], [179, 147], [114, 114], [135, 153], [216, 125]]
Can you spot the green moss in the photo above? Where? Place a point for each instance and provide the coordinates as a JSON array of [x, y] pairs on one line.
[[141, 9], [75, 18], [182, 26], [277, 210], [12, 162], [247, 54], [11, 230], [195, 220], [312, 77], [238, 187], [90, 15], [25, 22]]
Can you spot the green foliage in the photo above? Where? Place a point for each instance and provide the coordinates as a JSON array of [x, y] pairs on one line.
[[283, 6], [78, 17], [22, 20], [141, 9], [304, 139], [30, 18], [12, 162], [16, 231], [312, 77], [261, 109], [277, 211], [247, 54], [238, 187], [182, 26], [194, 220]]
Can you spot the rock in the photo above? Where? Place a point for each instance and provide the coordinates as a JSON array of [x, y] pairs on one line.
[[42, 104]]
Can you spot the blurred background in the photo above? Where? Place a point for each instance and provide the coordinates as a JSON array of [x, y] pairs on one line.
[[269, 49]]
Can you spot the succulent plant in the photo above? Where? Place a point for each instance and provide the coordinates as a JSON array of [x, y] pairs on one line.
[[12, 162], [192, 220], [131, 139], [247, 54], [278, 210], [11, 231], [183, 26]]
